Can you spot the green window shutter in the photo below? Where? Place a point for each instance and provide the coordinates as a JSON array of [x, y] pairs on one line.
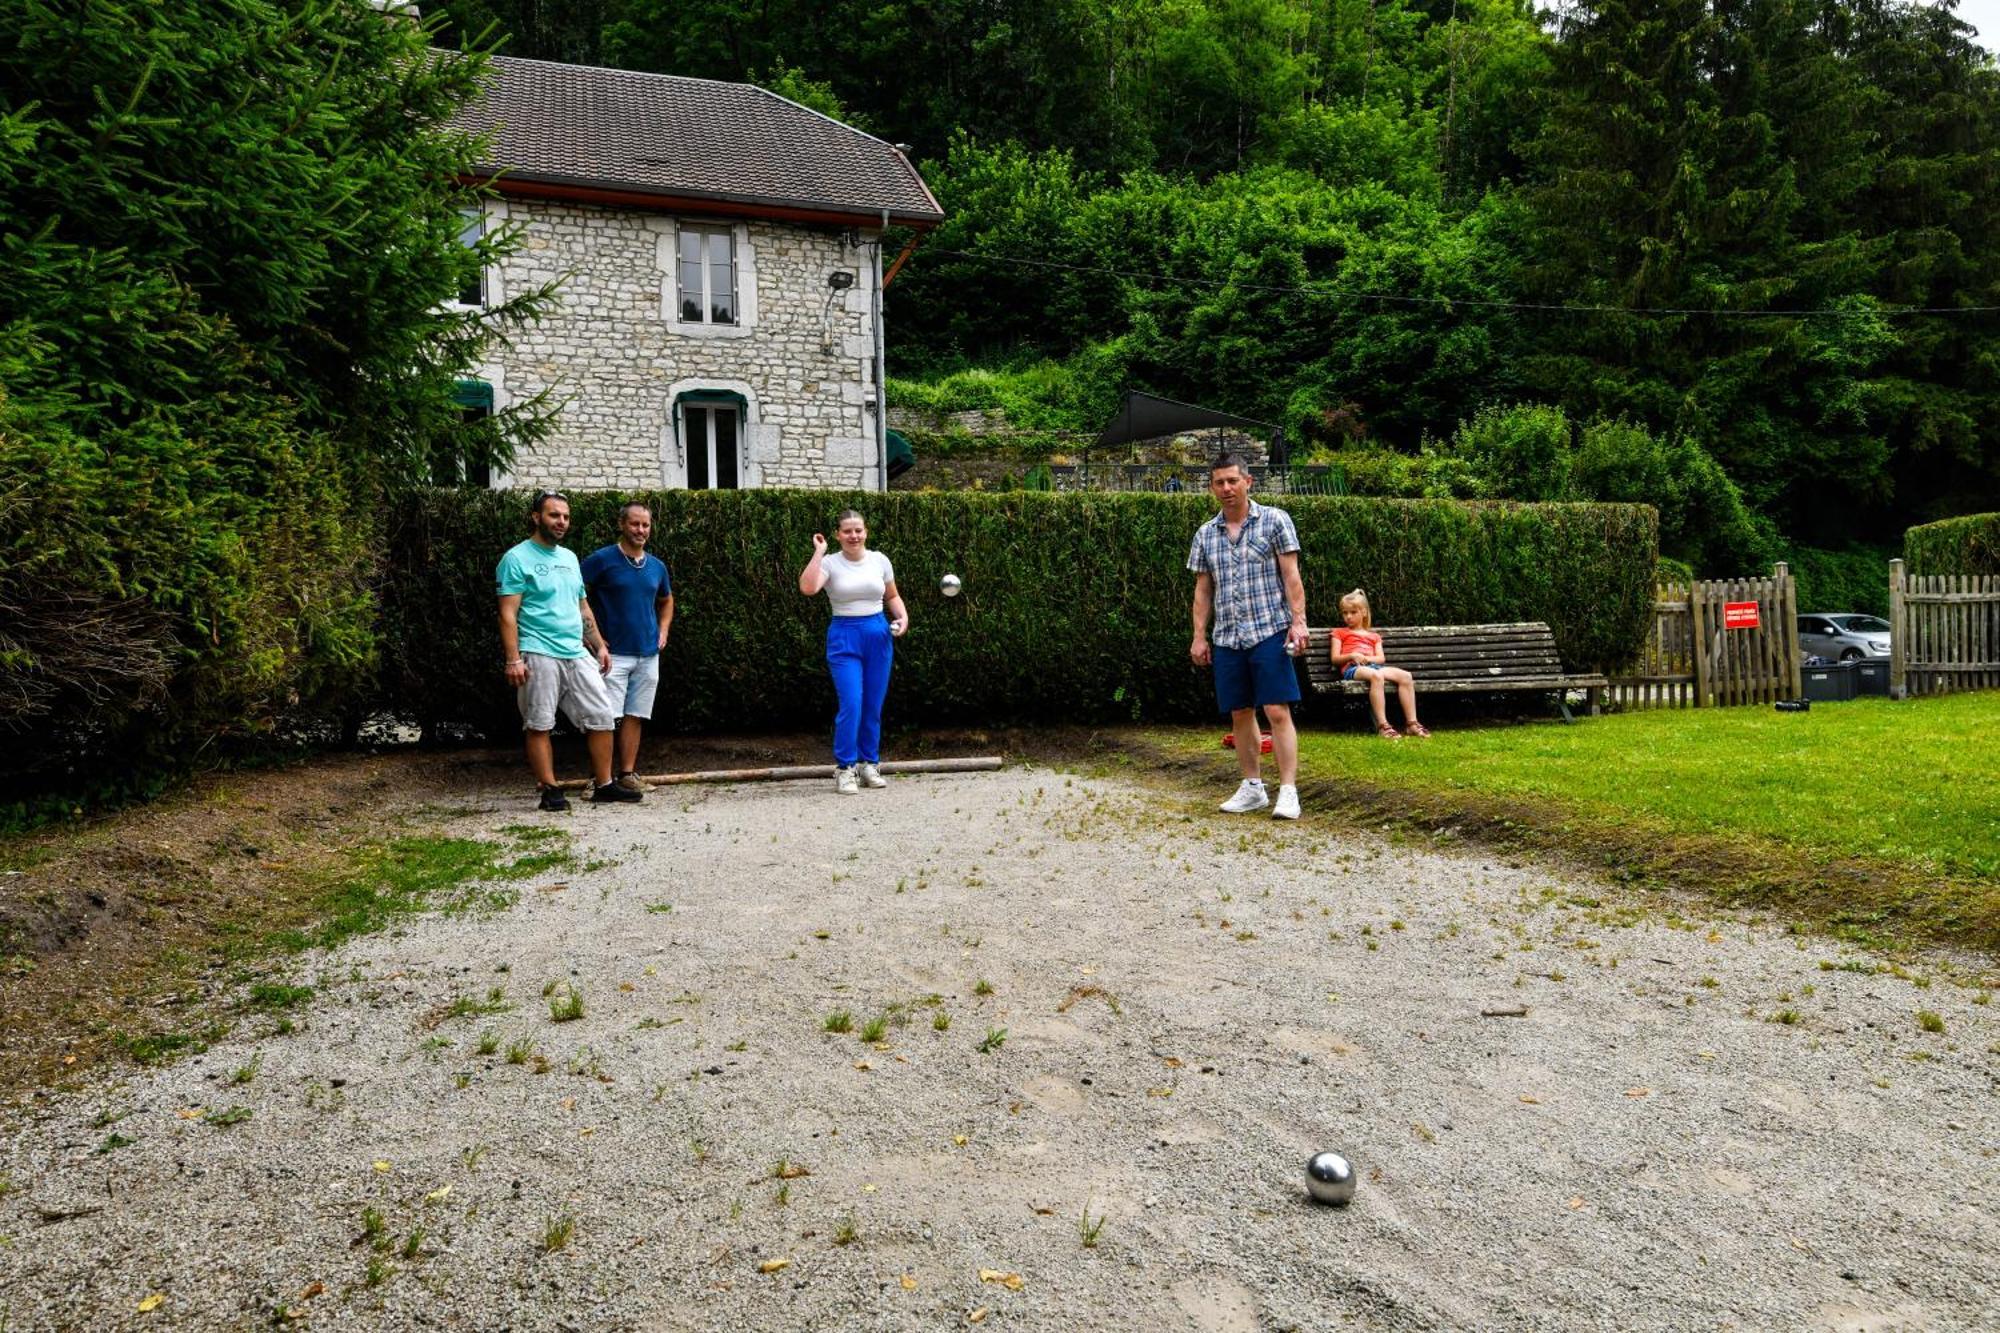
[[473, 394]]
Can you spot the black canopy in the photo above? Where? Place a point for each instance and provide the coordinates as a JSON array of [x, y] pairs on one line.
[[1147, 416]]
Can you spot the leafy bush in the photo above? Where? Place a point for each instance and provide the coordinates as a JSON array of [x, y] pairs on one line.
[[1075, 606], [1854, 579], [1516, 452], [1968, 545], [1377, 472], [1703, 517]]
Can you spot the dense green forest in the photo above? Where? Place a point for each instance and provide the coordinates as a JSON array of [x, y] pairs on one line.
[[1732, 256]]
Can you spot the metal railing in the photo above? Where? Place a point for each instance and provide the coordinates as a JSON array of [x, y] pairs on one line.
[[1173, 478]]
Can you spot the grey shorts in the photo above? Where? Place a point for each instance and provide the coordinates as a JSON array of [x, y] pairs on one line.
[[572, 683]]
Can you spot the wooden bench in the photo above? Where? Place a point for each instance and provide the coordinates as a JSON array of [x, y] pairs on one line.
[[1464, 659]]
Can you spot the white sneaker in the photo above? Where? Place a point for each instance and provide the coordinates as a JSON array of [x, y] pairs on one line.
[[844, 782], [1249, 796], [1288, 804], [871, 776]]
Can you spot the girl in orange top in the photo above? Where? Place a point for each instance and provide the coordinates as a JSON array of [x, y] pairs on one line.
[[1357, 651]]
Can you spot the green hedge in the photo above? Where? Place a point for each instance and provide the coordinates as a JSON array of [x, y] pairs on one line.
[[1854, 579], [1075, 606], [1969, 545]]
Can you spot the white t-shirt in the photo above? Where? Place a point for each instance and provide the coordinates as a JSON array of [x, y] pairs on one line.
[[856, 587]]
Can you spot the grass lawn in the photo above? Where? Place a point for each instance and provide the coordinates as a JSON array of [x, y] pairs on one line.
[[1869, 813]]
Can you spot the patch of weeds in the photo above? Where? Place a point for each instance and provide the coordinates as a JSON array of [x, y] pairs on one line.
[[737, 1047], [940, 1021], [647, 1024], [567, 1007], [1088, 1230], [374, 1228], [994, 1039], [875, 1029], [104, 1119], [433, 1047], [846, 1233], [489, 1042], [1930, 1020], [413, 1244], [659, 909], [378, 1272], [159, 1047], [247, 1072], [982, 987], [1788, 1017], [784, 1194], [277, 995], [1709, 983], [549, 989], [518, 1052], [470, 1156], [465, 1006], [840, 1020], [557, 1233], [112, 1143], [235, 1115]]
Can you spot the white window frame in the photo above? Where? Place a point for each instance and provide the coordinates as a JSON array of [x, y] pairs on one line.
[[744, 265], [492, 216], [756, 444]]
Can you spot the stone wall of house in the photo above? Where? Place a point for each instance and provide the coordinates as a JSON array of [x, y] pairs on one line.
[[611, 356]]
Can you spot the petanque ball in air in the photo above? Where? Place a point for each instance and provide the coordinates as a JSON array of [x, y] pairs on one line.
[[949, 585], [1330, 1178]]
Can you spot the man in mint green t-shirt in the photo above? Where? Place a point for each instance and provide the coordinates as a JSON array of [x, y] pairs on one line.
[[553, 654]]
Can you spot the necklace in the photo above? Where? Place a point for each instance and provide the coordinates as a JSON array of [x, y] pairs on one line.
[[638, 562]]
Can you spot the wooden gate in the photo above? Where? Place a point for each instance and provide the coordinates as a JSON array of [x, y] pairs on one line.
[[1944, 632], [1696, 658]]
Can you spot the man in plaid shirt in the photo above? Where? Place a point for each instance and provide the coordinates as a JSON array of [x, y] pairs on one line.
[[1246, 571]]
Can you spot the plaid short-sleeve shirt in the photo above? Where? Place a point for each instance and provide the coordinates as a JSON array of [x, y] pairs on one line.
[[1249, 591]]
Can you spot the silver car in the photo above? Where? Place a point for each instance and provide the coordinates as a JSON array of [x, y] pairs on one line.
[[1844, 637]]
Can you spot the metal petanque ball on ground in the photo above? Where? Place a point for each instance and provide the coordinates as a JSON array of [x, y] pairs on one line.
[[949, 585], [1330, 1178]]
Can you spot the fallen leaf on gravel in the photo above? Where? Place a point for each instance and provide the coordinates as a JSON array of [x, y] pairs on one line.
[[152, 1302], [1159, 1092], [318, 1287], [1576, 1202], [792, 1171], [69, 1059], [1011, 1281], [652, 971], [1530, 1101], [1715, 937], [902, 1059], [1172, 1062], [192, 1112], [773, 1265], [870, 1189], [909, 1283], [863, 1065], [626, 985], [976, 1315], [1045, 1212], [1638, 1092], [291, 1314], [958, 1139], [586, 1131], [553, 888], [381, 1168], [438, 1195], [1705, 1055], [569, 1103]]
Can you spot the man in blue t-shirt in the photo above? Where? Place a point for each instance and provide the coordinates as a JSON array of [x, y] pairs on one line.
[[634, 602], [553, 655]]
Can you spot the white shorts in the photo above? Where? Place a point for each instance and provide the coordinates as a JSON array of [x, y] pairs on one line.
[[633, 681], [574, 683]]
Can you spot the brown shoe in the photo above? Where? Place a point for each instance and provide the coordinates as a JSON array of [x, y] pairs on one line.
[[631, 782]]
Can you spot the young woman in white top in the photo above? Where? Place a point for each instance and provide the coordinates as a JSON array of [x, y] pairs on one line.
[[860, 583]]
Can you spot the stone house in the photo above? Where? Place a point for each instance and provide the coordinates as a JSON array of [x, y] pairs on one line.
[[719, 251]]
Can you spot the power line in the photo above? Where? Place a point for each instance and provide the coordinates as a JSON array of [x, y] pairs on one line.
[[1179, 280]]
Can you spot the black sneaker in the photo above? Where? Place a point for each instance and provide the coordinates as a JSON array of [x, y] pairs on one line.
[[611, 791], [553, 799]]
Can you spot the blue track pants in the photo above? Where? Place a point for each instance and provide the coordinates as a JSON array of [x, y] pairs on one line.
[[859, 651]]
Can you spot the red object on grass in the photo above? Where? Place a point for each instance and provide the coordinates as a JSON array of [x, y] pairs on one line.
[[1263, 742]]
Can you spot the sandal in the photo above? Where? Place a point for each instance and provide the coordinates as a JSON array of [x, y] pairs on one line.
[[1419, 730], [1389, 733]]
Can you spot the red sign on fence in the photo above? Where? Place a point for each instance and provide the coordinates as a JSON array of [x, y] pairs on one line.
[[1739, 615]]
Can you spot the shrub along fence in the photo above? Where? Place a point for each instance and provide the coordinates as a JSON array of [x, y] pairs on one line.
[[1075, 607], [1969, 545], [1717, 642]]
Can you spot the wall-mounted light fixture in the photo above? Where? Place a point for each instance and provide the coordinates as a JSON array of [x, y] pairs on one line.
[[840, 280], [837, 281]]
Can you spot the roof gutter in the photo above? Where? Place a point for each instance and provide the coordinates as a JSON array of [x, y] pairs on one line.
[[541, 186]]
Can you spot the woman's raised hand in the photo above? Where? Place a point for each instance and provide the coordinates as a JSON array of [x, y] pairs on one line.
[[819, 543]]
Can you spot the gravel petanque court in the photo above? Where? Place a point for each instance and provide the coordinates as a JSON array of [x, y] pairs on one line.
[[1696, 1124]]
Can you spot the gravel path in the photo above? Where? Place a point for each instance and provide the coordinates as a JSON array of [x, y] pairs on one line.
[[1191, 1005]]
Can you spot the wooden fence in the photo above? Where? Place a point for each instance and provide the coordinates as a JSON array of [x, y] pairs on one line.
[[1695, 658], [1944, 632]]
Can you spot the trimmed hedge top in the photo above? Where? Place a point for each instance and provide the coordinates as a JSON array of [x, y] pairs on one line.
[[1968, 545], [1075, 607]]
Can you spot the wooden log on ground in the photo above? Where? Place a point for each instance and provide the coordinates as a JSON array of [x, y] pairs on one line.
[[790, 772]]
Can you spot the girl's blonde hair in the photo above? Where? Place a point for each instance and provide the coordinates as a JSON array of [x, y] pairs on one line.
[[1360, 599]]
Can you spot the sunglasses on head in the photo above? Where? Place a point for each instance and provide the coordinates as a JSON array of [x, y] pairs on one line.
[[535, 505]]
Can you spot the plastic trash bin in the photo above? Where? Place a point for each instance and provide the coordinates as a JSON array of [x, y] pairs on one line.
[[1829, 684], [1871, 676]]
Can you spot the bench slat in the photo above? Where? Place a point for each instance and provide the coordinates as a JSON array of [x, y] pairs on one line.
[[1496, 687], [1459, 659]]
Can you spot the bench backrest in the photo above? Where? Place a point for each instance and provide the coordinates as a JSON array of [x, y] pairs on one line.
[[1453, 652]]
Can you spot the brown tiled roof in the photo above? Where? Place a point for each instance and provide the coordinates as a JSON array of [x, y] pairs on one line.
[[659, 134]]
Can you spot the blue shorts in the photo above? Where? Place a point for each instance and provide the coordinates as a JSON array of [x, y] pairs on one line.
[[1259, 674], [1347, 672]]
